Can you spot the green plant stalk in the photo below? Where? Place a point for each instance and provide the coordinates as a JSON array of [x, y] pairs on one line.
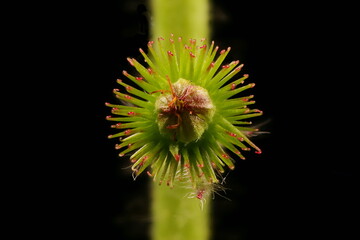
[[175, 216], [185, 18]]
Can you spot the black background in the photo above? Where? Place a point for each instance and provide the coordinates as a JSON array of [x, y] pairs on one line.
[[300, 57]]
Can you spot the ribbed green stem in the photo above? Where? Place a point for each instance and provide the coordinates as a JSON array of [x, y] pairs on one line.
[[185, 18], [178, 217], [175, 215]]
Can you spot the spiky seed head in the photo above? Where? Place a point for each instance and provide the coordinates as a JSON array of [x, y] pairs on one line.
[[186, 113]]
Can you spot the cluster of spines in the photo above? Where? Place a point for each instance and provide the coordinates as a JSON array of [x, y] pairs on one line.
[[137, 119]]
